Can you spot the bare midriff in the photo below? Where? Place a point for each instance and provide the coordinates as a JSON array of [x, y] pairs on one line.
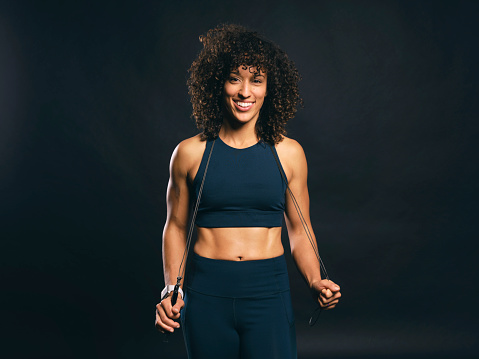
[[239, 244]]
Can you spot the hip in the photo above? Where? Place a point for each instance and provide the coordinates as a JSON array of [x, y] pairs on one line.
[[237, 279]]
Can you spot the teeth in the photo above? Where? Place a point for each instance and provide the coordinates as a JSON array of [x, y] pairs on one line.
[[244, 104]]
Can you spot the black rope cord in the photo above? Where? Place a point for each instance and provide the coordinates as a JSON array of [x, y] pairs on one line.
[[182, 268], [322, 267]]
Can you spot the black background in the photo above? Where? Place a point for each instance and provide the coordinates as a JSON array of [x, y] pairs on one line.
[[93, 101]]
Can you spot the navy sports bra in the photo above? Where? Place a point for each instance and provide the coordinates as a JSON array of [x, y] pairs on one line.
[[243, 187]]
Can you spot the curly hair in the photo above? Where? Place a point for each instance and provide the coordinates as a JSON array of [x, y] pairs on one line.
[[226, 48]]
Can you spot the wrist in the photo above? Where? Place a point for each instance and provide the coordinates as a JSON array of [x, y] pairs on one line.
[[168, 289], [313, 281]]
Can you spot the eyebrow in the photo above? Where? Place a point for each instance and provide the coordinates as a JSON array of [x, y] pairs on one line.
[[235, 72]]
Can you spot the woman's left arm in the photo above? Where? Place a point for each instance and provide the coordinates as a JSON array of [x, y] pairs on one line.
[[294, 163]]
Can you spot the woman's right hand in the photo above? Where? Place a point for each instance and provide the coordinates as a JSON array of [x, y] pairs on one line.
[[166, 314]]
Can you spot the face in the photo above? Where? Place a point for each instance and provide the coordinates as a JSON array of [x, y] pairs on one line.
[[244, 93]]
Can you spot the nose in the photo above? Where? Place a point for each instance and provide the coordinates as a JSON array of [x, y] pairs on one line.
[[245, 90]]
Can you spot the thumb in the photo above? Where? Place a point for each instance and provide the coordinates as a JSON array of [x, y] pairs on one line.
[[333, 287], [327, 284], [177, 307]]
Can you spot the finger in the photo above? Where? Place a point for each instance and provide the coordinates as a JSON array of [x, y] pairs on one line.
[[167, 308], [322, 298], [160, 326], [327, 301], [333, 286], [329, 284], [325, 284], [330, 305], [336, 295], [175, 310], [165, 321], [326, 293]]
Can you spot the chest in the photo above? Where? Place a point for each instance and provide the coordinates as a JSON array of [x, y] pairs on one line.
[[242, 180]]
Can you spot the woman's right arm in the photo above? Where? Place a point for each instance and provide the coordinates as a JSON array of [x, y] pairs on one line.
[[174, 234]]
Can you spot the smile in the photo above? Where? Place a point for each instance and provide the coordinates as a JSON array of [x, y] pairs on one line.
[[243, 106]]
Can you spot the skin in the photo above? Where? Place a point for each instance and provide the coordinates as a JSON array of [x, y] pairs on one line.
[[246, 86]]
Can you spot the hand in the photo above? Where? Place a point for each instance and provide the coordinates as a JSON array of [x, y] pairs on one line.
[[166, 314], [328, 293]]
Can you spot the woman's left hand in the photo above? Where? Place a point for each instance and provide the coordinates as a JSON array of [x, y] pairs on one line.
[[328, 293]]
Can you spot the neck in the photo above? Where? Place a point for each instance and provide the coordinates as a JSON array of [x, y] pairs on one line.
[[239, 136]]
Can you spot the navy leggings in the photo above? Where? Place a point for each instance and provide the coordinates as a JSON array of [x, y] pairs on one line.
[[238, 310]]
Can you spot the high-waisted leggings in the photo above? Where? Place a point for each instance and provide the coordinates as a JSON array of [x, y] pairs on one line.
[[238, 310]]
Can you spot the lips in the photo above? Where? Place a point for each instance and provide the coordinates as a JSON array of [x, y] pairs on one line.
[[243, 106]]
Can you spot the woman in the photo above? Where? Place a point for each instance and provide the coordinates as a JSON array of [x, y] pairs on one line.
[[236, 292]]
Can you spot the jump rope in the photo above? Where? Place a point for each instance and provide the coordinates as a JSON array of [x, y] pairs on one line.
[[181, 270]]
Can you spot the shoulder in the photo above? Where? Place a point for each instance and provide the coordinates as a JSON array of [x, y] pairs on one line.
[[292, 157], [290, 150], [190, 146], [188, 152]]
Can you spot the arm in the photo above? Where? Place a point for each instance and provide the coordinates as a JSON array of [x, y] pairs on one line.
[[301, 250], [174, 236], [177, 204]]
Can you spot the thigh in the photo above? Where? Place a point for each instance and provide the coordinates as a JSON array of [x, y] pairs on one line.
[[208, 327], [267, 327]]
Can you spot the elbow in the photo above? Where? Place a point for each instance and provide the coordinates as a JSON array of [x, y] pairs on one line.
[[173, 230]]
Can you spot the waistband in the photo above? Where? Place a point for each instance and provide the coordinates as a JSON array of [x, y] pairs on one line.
[[237, 279]]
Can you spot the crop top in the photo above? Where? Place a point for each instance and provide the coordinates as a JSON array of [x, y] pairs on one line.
[[242, 188]]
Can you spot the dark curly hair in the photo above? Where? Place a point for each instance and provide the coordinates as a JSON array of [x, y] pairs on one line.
[[226, 48]]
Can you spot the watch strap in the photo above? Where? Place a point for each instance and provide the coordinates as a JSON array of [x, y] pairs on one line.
[[168, 289]]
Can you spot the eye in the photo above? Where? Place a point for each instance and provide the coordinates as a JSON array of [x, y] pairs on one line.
[[233, 79], [258, 80]]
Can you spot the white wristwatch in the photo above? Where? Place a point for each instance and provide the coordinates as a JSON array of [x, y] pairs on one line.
[[170, 288]]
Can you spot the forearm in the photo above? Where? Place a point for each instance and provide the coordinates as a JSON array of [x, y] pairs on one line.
[[174, 242], [305, 257]]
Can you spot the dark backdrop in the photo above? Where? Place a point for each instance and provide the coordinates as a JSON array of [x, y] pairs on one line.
[[93, 101]]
